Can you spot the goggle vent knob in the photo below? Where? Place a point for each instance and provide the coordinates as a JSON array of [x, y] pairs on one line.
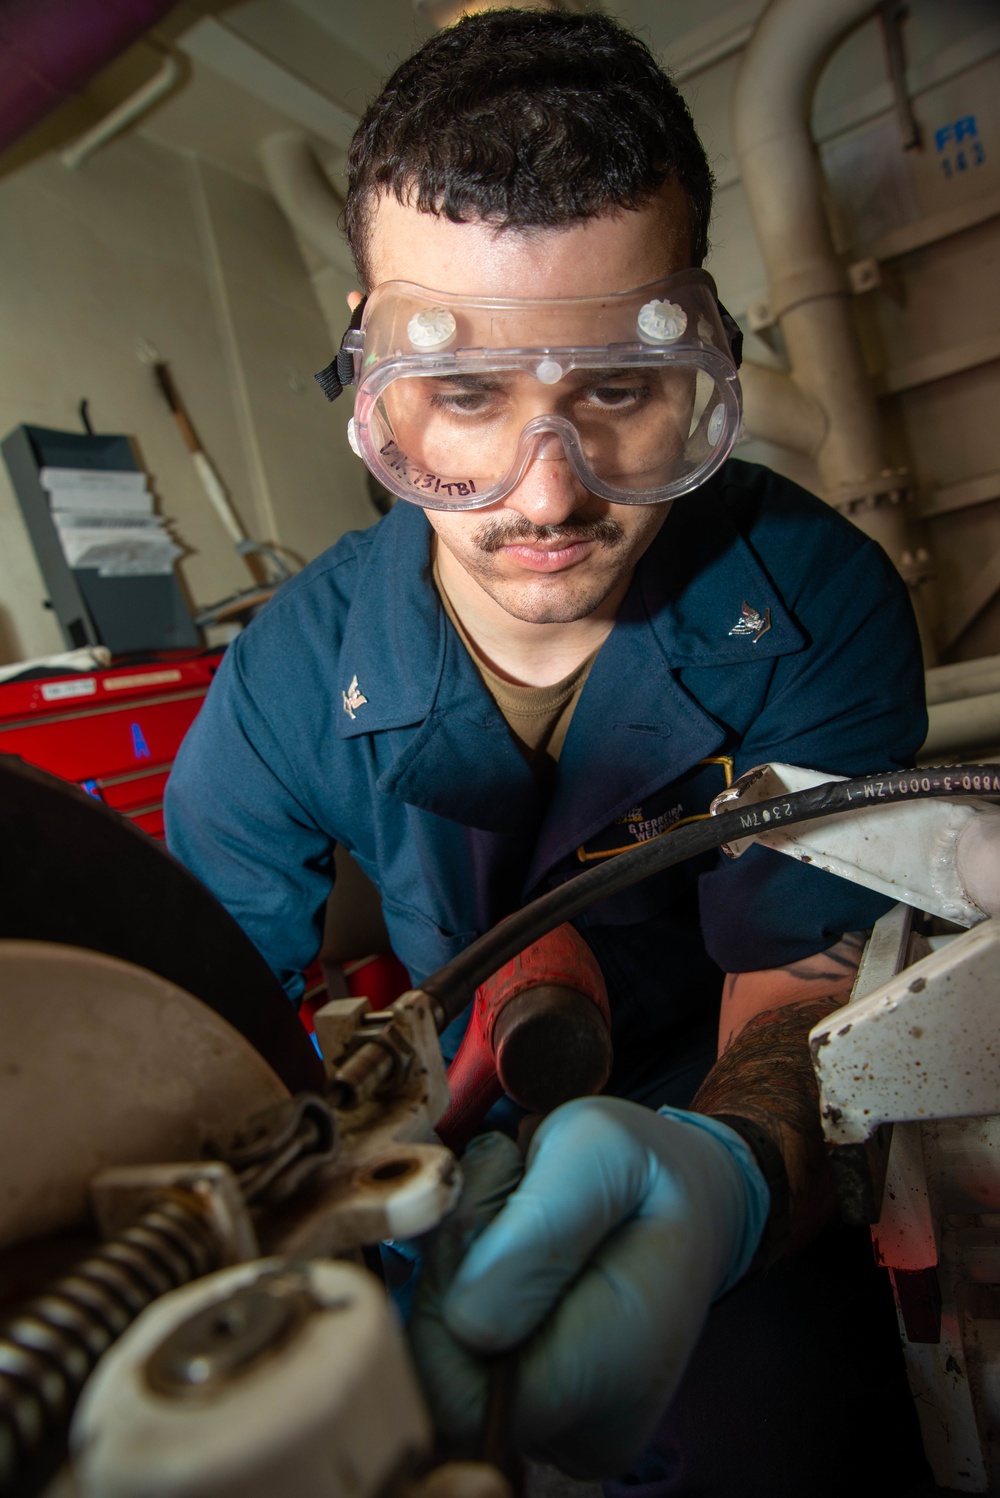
[[661, 322], [431, 329], [549, 372]]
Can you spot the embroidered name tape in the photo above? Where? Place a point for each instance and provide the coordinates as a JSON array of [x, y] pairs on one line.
[[686, 799]]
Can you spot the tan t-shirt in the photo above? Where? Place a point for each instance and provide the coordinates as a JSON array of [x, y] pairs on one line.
[[538, 717]]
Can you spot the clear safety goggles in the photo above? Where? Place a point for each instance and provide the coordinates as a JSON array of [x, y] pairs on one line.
[[457, 396]]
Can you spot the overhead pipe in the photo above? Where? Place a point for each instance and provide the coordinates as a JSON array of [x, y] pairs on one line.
[[314, 211], [306, 195], [49, 49], [119, 118], [808, 286]]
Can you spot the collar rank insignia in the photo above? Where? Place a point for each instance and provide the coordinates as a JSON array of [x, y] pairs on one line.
[[752, 622], [353, 698]]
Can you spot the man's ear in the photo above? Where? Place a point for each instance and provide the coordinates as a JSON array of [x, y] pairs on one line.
[[354, 299]]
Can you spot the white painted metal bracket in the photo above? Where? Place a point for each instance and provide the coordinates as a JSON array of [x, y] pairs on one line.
[[907, 852], [923, 1045], [917, 1048]]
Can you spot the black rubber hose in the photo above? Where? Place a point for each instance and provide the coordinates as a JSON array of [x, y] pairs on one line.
[[454, 984]]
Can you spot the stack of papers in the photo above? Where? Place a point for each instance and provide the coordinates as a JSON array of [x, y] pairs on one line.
[[105, 520]]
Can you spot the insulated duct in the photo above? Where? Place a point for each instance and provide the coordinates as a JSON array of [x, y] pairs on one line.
[[49, 49], [124, 114], [778, 410], [963, 706], [306, 196], [809, 290]]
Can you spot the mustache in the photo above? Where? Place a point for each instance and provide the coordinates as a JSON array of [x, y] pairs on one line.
[[507, 532]]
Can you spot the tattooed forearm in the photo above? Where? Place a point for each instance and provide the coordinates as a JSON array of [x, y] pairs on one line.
[[764, 1072], [766, 1075], [831, 972], [836, 966], [767, 1068]]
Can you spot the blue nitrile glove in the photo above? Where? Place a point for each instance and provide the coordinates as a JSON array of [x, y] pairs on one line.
[[606, 1257]]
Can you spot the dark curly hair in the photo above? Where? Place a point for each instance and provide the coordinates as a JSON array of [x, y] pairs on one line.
[[529, 120]]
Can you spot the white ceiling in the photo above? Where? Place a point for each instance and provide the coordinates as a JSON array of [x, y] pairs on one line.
[[260, 65]]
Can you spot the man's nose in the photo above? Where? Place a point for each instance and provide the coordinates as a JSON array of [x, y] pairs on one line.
[[550, 491]]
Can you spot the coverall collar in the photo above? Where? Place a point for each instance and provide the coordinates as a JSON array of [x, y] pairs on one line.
[[415, 672], [635, 728]]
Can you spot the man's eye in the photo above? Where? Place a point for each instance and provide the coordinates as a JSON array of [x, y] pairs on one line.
[[464, 403], [619, 396], [469, 405]]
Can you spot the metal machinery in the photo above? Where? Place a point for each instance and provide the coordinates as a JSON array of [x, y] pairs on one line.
[[188, 1190], [117, 1065], [909, 1075]]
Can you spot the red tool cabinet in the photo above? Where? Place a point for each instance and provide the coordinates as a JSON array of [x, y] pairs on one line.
[[114, 732]]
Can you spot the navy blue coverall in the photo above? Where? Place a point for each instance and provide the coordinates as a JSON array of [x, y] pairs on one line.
[[350, 711]]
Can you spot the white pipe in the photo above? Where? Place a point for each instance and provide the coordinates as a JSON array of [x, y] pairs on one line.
[[777, 410], [964, 679], [970, 722], [306, 196], [780, 172], [123, 114], [809, 290], [714, 53], [977, 861]]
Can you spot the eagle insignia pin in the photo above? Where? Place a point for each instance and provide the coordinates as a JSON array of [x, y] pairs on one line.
[[353, 698], [752, 622]]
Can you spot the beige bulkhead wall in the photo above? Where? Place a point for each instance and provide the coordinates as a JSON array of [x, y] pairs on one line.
[[154, 241], [931, 328]]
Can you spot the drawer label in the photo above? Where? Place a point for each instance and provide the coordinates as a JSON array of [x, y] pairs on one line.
[[58, 691]]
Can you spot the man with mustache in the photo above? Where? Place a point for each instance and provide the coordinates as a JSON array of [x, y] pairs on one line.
[[579, 623]]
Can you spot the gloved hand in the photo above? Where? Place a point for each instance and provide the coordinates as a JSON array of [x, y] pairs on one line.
[[603, 1261]]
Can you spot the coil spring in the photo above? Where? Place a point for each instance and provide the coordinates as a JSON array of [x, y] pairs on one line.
[[49, 1346]]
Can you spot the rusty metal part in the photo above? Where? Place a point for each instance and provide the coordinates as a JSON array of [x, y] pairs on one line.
[[49, 1346], [121, 1194], [367, 1072], [377, 1062], [221, 1341], [551, 1044], [389, 1177], [282, 1147], [914, 1053], [386, 1182], [924, 1042]]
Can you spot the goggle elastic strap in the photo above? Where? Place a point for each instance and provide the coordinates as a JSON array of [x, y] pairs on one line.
[[340, 371], [733, 331]]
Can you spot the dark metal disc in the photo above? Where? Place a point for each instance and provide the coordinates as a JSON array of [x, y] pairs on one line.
[[74, 871]]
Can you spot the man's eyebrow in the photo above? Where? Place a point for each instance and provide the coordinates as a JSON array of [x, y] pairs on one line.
[[624, 372], [469, 381], [492, 380]]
